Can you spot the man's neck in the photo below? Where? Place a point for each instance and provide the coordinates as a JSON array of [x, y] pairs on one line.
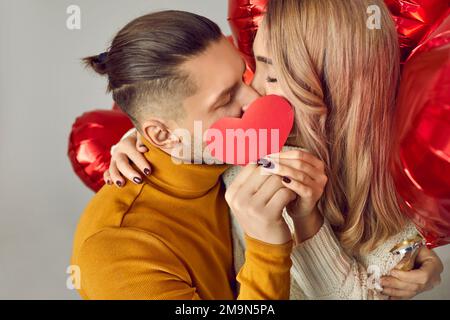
[[180, 178]]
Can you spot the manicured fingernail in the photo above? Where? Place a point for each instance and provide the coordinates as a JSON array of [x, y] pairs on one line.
[[147, 171], [137, 180], [144, 147], [286, 180], [269, 165], [109, 182], [265, 163], [119, 183]]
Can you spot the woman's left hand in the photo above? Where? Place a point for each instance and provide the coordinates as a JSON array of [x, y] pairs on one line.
[[257, 201], [407, 284], [304, 174]]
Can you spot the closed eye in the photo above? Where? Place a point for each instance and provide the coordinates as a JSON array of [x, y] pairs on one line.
[[271, 80]]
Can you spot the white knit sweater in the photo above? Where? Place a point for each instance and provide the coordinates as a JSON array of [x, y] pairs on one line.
[[320, 267]]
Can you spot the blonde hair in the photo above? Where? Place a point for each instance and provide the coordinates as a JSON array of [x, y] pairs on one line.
[[342, 78]]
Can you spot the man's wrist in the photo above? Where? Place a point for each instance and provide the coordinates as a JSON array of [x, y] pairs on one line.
[[260, 247]]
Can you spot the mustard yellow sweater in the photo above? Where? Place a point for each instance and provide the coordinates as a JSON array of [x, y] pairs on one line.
[[170, 238]]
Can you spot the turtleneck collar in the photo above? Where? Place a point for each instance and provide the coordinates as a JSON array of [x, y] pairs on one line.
[[182, 180]]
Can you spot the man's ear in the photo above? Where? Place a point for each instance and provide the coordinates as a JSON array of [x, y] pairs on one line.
[[158, 133]]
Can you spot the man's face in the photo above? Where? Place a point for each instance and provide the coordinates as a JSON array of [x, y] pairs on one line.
[[221, 91]]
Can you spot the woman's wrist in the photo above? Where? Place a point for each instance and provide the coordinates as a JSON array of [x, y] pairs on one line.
[[130, 132], [274, 234], [307, 226]]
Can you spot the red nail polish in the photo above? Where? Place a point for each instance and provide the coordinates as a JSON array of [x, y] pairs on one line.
[[119, 183], [137, 180], [286, 180], [147, 171]]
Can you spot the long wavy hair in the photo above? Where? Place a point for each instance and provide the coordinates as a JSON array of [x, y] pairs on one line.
[[342, 77]]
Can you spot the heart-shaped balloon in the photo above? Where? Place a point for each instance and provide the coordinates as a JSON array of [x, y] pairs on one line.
[[244, 18], [93, 134], [263, 129], [422, 146], [414, 19]]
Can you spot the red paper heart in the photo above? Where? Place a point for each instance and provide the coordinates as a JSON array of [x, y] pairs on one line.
[[263, 129]]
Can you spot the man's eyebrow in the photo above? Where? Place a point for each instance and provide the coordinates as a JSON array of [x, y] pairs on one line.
[[264, 59]]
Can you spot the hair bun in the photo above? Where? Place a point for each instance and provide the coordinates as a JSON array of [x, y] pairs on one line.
[[101, 58], [97, 63]]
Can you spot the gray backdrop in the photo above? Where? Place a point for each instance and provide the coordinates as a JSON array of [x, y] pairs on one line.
[[43, 88]]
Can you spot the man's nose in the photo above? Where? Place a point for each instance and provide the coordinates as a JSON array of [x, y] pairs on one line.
[[249, 95]]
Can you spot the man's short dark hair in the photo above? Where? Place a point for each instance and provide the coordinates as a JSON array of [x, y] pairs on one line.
[[143, 62]]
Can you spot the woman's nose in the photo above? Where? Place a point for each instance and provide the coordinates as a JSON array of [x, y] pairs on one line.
[[258, 85]]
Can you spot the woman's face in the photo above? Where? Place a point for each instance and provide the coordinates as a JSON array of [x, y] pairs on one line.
[[265, 80]]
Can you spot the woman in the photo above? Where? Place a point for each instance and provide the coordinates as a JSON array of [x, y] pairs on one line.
[[341, 78]]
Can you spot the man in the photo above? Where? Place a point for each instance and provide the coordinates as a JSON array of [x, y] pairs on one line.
[[169, 236]]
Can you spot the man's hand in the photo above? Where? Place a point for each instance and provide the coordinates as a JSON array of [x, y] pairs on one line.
[[257, 201], [407, 284]]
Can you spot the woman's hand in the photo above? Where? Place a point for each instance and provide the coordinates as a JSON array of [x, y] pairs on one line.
[[304, 174], [129, 149], [407, 284], [257, 201]]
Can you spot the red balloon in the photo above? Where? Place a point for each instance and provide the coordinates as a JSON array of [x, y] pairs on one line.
[[244, 17], [90, 142], [414, 18], [422, 153]]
